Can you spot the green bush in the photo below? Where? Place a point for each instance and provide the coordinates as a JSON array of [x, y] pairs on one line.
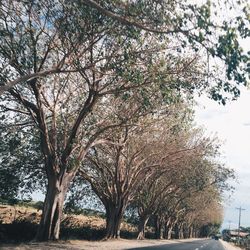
[[82, 233], [38, 205], [91, 212], [128, 235], [18, 231]]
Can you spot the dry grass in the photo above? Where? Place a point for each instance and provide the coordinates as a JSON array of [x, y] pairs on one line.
[[9, 214]]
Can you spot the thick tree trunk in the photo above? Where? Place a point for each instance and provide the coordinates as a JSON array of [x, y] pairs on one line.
[[114, 216], [185, 231], [158, 228], [191, 232], [194, 232], [197, 233], [176, 231], [180, 231], [49, 228], [141, 227], [168, 227], [169, 232]]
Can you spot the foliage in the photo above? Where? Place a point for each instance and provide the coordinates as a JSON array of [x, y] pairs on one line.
[[21, 170], [18, 231], [51, 27], [209, 229], [82, 200]]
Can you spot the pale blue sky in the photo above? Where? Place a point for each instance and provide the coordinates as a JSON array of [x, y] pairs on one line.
[[231, 123]]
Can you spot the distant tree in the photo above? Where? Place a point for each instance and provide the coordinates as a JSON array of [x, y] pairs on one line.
[[80, 197], [184, 192], [202, 211], [205, 219], [174, 181]]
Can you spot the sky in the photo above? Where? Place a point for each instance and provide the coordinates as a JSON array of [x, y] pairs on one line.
[[231, 123]]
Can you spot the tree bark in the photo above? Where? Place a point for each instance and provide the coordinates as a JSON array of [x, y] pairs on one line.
[[180, 231], [194, 232], [191, 232], [141, 227], [114, 214], [158, 228], [49, 227], [168, 227], [169, 230]]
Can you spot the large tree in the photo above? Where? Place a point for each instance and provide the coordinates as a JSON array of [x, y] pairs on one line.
[[108, 69]]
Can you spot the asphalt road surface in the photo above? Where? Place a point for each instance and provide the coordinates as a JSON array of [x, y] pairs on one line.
[[208, 244]]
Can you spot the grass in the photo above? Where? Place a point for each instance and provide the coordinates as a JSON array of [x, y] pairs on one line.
[[19, 223]]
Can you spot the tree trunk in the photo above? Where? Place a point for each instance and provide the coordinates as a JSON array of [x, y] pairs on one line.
[[169, 232], [180, 231], [185, 231], [49, 227], [141, 227], [176, 231], [191, 232], [194, 233], [114, 216], [168, 227], [158, 228]]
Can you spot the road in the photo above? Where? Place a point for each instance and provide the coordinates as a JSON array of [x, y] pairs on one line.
[[207, 244], [188, 244]]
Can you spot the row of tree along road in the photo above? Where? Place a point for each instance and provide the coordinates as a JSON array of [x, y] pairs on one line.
[[103, 91]]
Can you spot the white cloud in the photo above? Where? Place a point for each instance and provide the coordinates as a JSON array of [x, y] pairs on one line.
[[232, 124]]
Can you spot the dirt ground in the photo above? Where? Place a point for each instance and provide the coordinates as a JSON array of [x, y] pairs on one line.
[[229, 246], [99, 245], [89, 245]]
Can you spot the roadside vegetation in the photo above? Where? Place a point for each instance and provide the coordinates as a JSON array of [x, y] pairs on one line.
[[20, 221], [97, 105]]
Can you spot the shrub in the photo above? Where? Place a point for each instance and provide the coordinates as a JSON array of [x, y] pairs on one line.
[[18, 231]]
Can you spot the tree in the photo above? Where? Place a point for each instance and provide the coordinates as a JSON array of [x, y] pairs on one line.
[[203, 215], [201, 208], [62, 106], [21, 170], [81, 197]]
